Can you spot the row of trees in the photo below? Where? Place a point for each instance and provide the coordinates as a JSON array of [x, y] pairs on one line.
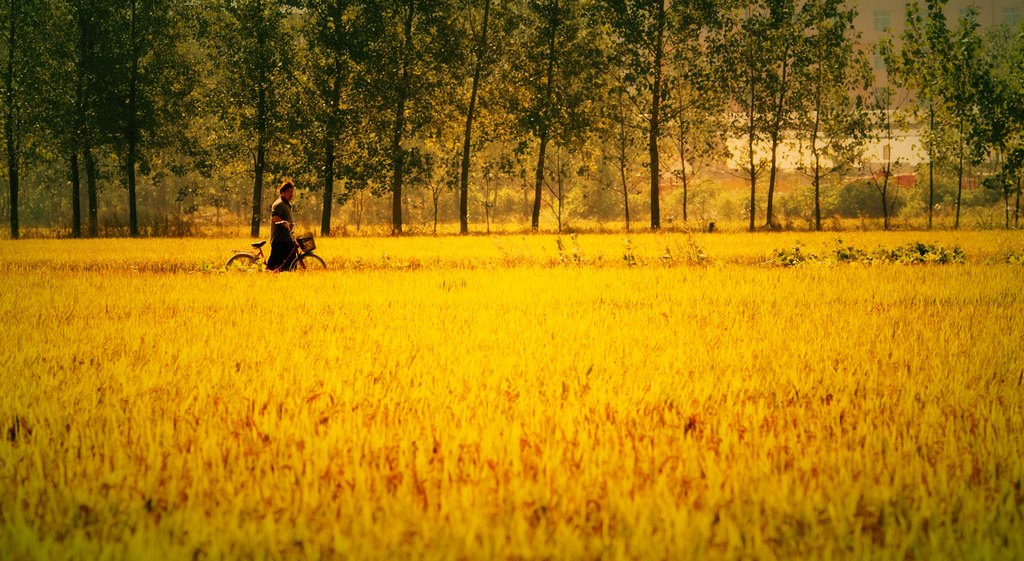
[[969, 96], [373, 96]]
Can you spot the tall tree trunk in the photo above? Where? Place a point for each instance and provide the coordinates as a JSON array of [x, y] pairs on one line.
[[817, 192], [558, 183], [931, 163], [682, 157], [132, 129], [467, 141], [81, 141], [133, 217], [397, 154], [686, 196], [1004, 181], [325, 221], [12, 170], [1006, 198], [816, 154], [539, 180], [257, 187], [625, 189], [487, 205], [261, 136], [331, 130], [398, 161], [1016, 211], [751, 132], [772, 171], [11, 118], [885, 202], [76, 197], [257, 184], [753, 173], [776, 138], [959, 177], [623, 158], [90, 185], [655, 132], [682, 171], [435, 193], [548, 92]]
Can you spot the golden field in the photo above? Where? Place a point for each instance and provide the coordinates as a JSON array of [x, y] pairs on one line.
[[652, 396]]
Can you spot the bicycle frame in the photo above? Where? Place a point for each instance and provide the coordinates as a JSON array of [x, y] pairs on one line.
[[257, 253]]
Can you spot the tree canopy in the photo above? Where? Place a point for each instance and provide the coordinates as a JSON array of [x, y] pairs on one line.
[[476, 108]]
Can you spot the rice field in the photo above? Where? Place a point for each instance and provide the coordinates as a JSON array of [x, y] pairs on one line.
[[652, 396]]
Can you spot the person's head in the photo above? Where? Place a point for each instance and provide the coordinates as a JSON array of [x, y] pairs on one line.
[[287, 190]]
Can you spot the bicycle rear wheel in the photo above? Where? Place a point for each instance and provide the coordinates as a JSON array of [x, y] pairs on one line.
[[308, 263], [240, 261]]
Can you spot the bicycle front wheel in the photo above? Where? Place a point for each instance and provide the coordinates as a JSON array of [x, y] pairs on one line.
[[240, 261], [308, 262]]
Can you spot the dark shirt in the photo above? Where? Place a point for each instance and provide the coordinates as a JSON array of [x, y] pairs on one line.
[[279, 232]]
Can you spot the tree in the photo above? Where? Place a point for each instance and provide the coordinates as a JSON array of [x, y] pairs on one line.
[[881, 177], [434, 161], [154, 84], [787, 57], [998, 124], [882, 126], [252, 50], [554, 86], [962, 80], [333, 43], [42, 79], [640, 33], [407, 70], [25, 53], [764, 57], [20, 42], [616, 129], [698, 112], [741, 67], [648, 35], [94, 119], [942, 66], [920, 66], [480, 59], [835, 125], [62, 87], [77, 110]]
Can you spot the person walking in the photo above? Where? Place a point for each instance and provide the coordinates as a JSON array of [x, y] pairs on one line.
[[283, 249]]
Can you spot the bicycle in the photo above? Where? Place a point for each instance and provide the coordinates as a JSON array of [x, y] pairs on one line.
[[306, 261]]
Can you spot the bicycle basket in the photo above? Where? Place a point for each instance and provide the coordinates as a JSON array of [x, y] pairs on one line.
[[306, 243]]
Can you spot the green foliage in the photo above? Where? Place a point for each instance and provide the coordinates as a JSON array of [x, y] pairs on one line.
[[570, 254], [859, 199], [629, 255], [1013, 258], [555, 85], [691, 253], [210, 94], [916, 253], [789, 257]]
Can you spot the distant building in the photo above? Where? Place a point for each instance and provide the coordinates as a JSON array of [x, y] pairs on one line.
[[877, 19]]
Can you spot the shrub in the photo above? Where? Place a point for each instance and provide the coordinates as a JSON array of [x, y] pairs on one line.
[[916, 253], [861, 199]]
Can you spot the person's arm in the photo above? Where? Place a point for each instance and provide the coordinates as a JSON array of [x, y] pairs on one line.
[[276, 219]]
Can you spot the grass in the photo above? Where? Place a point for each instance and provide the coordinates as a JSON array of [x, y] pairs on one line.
[[502, 398], [168, 255]]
